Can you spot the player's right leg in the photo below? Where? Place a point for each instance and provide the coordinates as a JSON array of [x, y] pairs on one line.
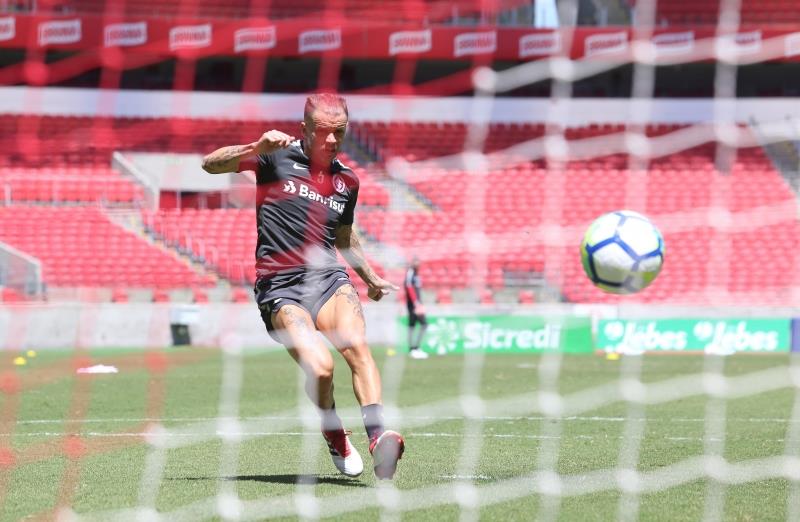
[[412, 323], [423, 325], [295, 329], [415, 338], [341, 319]]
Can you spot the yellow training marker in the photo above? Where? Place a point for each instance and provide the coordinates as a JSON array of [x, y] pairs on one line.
[[612, 356], [19, 361], [390, 352], [31, 353]]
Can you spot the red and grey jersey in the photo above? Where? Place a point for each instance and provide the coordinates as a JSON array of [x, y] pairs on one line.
[[413, 288], [299, 209]]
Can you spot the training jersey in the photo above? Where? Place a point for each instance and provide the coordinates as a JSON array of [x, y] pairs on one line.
[[299, 211], [413, 288]]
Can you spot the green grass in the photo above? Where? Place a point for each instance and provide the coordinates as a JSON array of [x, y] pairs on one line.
[[109, 413]]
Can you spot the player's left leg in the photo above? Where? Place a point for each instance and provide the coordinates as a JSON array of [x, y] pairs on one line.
[[341, 320]]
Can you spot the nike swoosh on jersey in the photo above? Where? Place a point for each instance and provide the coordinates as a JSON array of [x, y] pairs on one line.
[[299, 167]]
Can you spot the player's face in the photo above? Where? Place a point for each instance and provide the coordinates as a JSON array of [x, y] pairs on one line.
[[324, 135]]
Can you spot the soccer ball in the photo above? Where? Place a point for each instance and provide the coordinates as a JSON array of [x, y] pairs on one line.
[[622, 252]]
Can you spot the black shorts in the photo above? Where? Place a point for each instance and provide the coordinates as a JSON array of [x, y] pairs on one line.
[[309, 290], [414, 318]]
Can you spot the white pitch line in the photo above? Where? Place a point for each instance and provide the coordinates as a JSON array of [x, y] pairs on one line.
[[466, 477], [408, 435], [577, 418]]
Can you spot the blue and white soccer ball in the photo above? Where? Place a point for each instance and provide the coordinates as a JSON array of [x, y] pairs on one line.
[[622, 252]]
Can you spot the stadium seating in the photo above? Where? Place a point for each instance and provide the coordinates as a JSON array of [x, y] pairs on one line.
[[80, 246], [9, 295], [68, 184], [69, 141], [692, 12], [73, 154], [678, 187], [514, 207], [405, 10], [225, 239]]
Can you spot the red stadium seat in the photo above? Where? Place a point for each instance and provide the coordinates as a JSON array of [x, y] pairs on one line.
[[526, 297], [241, 295], [119, 295], [444, 296], [160, 296]]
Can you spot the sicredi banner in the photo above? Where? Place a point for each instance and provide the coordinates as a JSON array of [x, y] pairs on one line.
[[410, 42], [720, 336], [748, 42], [125, 35], [674, 43], [254, 38], [792, 44], [7, 28], [319, 40], [190, 36], [60, 32], [539, 44], [466, 44], [504, 334], [605, 43]]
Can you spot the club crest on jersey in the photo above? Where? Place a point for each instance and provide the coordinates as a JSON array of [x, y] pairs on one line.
[[338, 184]]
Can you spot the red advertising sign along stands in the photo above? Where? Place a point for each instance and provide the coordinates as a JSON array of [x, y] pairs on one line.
[[349, 39]]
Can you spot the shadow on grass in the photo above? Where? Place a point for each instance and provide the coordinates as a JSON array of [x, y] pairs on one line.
[[286, 479]]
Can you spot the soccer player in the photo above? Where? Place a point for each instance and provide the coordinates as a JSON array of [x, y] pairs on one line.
[[416, 312], [306, 198]]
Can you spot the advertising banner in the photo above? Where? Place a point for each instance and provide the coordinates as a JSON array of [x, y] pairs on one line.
[[503, 334], [192, 37], [720, 336]]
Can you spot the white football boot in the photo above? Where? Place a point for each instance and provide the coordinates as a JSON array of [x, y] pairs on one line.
[[386, 451], [345, 456]]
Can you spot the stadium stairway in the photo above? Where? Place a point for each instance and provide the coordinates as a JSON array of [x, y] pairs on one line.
[[132, 220], [83, 247]]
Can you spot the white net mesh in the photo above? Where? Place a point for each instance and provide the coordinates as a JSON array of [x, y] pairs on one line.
[[713, 192]]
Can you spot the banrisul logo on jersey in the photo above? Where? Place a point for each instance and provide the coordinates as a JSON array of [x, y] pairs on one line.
[[303, 190], [717, 336], [504, 334]]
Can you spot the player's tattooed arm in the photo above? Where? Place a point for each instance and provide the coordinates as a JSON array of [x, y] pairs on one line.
[[227, 159], [349, 244]]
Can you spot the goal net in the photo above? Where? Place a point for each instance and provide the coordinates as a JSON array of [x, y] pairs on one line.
[[542, 397]]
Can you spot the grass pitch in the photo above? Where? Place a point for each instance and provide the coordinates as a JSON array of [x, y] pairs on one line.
[[79, 441]]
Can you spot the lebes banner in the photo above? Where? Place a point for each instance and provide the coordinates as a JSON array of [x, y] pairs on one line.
[[720, 336], [503, 334], [195, 38]]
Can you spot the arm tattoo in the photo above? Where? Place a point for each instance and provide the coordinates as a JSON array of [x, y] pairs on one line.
[[226, 159], [352, 298], [349, 245]]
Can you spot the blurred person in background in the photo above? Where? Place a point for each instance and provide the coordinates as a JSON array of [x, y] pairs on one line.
[[416, 310]]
